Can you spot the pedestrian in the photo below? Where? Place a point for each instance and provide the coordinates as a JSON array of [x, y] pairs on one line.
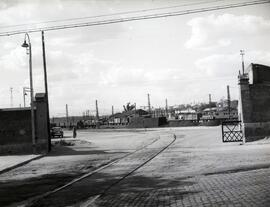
[[74, 132]]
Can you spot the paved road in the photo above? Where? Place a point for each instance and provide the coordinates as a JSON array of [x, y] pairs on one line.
[[196, 170], [101, 182]]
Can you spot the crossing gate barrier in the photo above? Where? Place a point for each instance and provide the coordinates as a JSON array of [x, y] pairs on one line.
[[232, 131]]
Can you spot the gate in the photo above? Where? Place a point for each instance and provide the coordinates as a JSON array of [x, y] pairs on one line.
[[232, 131]]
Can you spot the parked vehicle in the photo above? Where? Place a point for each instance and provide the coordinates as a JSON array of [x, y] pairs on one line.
[[57, 132]]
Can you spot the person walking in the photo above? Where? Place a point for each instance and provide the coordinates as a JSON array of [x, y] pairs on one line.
[[74, 132]]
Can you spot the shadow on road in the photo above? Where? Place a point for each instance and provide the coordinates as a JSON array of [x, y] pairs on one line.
[[102, 183], [76, 148]]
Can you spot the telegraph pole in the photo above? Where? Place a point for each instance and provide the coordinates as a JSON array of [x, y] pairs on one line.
[[112, 111], [97, 114], [242, 53], [67, 113], [210, 101], [46, 88], [229, 101], [11, 97], [24, 94], [166, 107]]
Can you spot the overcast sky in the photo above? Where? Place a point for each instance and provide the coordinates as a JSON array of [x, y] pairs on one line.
[[181, 58]]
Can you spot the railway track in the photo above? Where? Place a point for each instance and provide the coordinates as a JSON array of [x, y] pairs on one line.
[[33, 201], [89, 202]]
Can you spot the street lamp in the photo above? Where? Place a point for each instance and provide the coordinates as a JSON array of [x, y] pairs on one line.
[[28, 46]]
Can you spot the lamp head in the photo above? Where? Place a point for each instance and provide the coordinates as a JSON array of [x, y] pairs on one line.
[[25, 44]]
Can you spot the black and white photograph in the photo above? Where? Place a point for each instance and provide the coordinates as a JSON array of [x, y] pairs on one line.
[[135, 103]]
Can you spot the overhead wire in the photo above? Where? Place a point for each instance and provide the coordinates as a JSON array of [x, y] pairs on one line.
[[114, 14], [135, 18], [146, 82]]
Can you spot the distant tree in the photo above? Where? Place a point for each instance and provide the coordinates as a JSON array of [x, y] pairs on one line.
[[129, 107]]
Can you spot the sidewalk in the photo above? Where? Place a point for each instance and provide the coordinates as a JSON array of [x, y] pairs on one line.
[[10, 162]]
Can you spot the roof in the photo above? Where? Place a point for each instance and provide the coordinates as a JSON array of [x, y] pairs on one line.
[[16, 109], [129, 113], [187, 111], [210, 109], [227, 109]]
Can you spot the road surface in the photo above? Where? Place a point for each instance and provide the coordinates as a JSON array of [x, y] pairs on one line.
[[157, 167]]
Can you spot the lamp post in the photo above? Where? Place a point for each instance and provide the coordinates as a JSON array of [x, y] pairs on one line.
[[28, 46]]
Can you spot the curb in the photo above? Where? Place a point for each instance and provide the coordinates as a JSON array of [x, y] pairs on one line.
[[20, 164]]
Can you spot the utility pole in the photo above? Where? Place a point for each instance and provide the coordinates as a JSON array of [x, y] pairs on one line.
[[149, 105], [11, 97], [166, 108], [229, 101], [46, 89], [112, 111], [97, 115], [67, 113], [210, 107], [242, 53], [24, 94]]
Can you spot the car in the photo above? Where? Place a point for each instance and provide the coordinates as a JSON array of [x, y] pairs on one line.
[[57, 132]]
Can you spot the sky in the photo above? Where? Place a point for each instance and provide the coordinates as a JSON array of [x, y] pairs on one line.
[[181, 58]]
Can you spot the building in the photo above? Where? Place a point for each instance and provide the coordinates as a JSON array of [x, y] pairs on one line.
[[187, 114], [124, 117]]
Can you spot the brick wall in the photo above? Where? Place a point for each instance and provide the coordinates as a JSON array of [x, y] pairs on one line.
[[15, 129], [260, 102], [141, 122], [255, 103]]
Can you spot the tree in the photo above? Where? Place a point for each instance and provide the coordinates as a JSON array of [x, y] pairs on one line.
[[129, 107]]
